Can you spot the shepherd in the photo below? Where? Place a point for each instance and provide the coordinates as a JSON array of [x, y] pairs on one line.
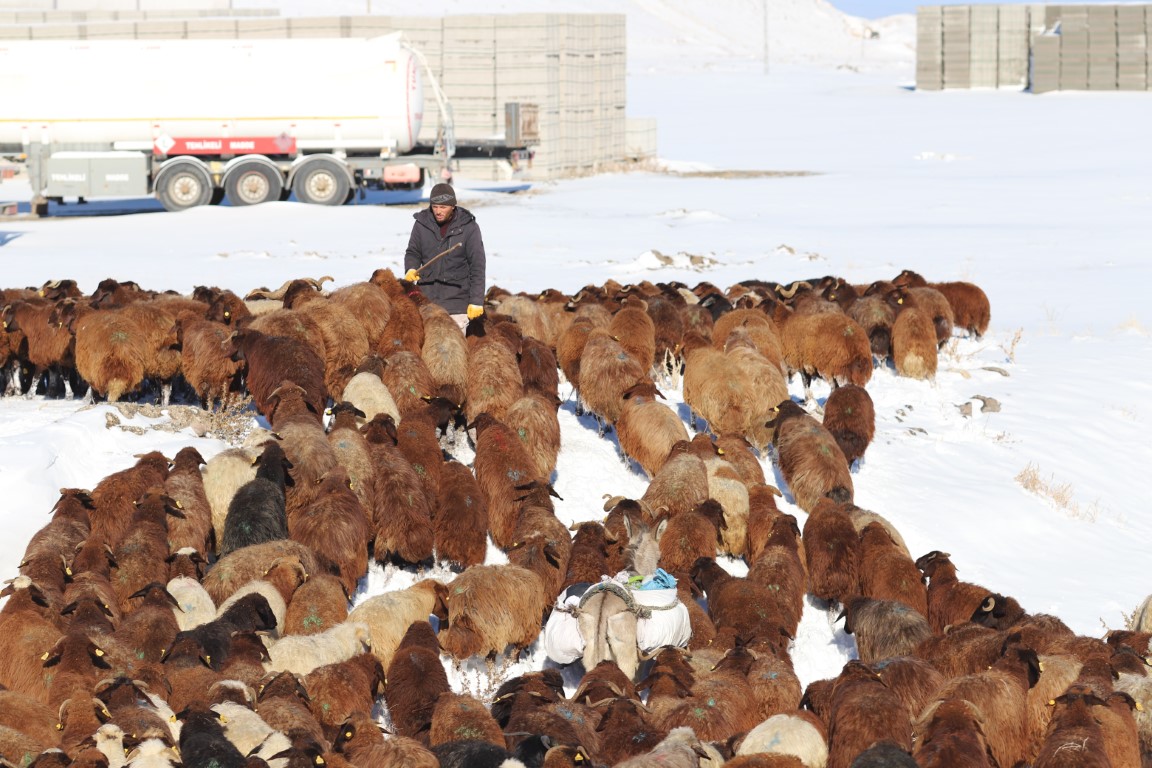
[[445, 256]]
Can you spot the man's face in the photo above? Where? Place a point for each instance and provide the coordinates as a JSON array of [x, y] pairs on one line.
[[442, 212]]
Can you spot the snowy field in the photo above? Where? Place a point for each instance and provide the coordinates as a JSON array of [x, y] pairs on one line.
[[1043, 201]]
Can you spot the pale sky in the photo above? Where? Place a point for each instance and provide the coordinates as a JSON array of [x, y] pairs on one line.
[[874, 9]]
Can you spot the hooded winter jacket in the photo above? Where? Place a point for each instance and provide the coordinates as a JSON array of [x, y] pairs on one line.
[[457, 278]]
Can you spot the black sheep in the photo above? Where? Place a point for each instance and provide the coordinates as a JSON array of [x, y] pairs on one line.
[[202, 741], [250, 613], [256, 513]]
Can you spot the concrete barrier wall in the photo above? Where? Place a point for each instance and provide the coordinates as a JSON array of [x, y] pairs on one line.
[[1031, 46]]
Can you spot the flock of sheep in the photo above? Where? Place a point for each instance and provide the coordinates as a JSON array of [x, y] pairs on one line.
[[194, 613]]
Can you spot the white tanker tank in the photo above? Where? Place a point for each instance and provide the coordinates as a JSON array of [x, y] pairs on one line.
[[192, 120]]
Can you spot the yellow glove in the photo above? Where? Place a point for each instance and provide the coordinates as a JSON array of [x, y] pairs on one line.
[[474, 311], [412, 276]]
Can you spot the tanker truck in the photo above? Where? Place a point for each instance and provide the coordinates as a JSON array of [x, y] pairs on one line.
[[195, 121]]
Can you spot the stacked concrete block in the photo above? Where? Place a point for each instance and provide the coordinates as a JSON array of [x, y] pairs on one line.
[[319, 26], [211, 29], [1045, 72], [1012, 45], [469, 74], [957, 46], [262, 28], [1074, 40], [1131, 48], [984, 47], [1102, 48], [640, 138], [161, 30], [929, 48]]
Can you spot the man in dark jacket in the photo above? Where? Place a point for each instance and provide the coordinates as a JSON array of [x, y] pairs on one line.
[[454, 280]]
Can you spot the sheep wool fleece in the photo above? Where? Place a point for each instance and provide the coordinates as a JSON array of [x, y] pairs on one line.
[[457, 278]]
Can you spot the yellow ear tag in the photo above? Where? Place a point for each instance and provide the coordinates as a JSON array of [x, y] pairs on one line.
[[1041, 665], [719, 451], [899, 301], [59, 726], [179, 505], [45, 656], [319, 760], [1051, 702], [67, 571], [223, 720], [347, 734], [1139, 707], [578, 758], [98, 652]]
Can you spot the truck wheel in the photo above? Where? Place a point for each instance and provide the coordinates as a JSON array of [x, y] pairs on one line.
[[252, 184], [184, 186], [321, 182]]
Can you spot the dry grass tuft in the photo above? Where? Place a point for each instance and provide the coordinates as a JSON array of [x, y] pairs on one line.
[[1061, 495]]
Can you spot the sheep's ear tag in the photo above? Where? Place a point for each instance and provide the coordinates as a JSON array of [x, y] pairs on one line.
[[98, 652], [227, 314], [1139, 707], [223, 720], [899, 301], [179, 505], [319, 760], [45, 656], [348, 734], [1051, 702], [1040, 665], [719, 451], [578, 758], [68, 570], [59, 726], [172, 718]]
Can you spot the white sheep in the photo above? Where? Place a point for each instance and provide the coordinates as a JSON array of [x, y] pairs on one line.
[[787, 735], [680, 749], [246, 729], [303, 653], [389, 615], [368, 392], [153, 753], [1142, 620], [109, 740], [196, 606]]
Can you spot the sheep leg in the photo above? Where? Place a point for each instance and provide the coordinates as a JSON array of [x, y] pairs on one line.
[[77, 384]]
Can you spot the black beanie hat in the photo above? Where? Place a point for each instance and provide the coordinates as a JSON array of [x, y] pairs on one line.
[[442, 194]]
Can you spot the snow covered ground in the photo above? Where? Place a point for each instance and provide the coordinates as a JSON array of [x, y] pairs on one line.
[[1041, 200]]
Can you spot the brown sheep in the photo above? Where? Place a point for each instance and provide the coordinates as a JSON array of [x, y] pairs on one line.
[[502, 463], [445, 353], [458, 716], [141, 557], [962, 649], [400, 511], [234, 570], [737, 451], [726, 487], [1075, 736], [360, 739], [913, 341], [588, 559], [970, 307], [747, 607], [1000, 693], [733, 390], [533, 418], [493, 379], [851, 418], [408, 380], [832, 550], [345, 337], [863, 711], [935, 305], [336, 527], [952, 733], [270, 360], [284, 704], [570, 345], [206, 359], [351, 448], [762, 514], [887, 572], [491, 607], [811, 463], [689, 536], [185, 486], [115, 496], [884, 628], [681, 482], [760, 329], [33, 718], [635, 331], [829, 345], [951, 601], [460, 525], [607, 372], [316, 605], [25, 633], [370, 305], [914, 681], [719, 706], [337, 691], [780, 567], [647, 429], [538, 368], [405, 328], [625, 730], [48, 343], [416, 679]]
